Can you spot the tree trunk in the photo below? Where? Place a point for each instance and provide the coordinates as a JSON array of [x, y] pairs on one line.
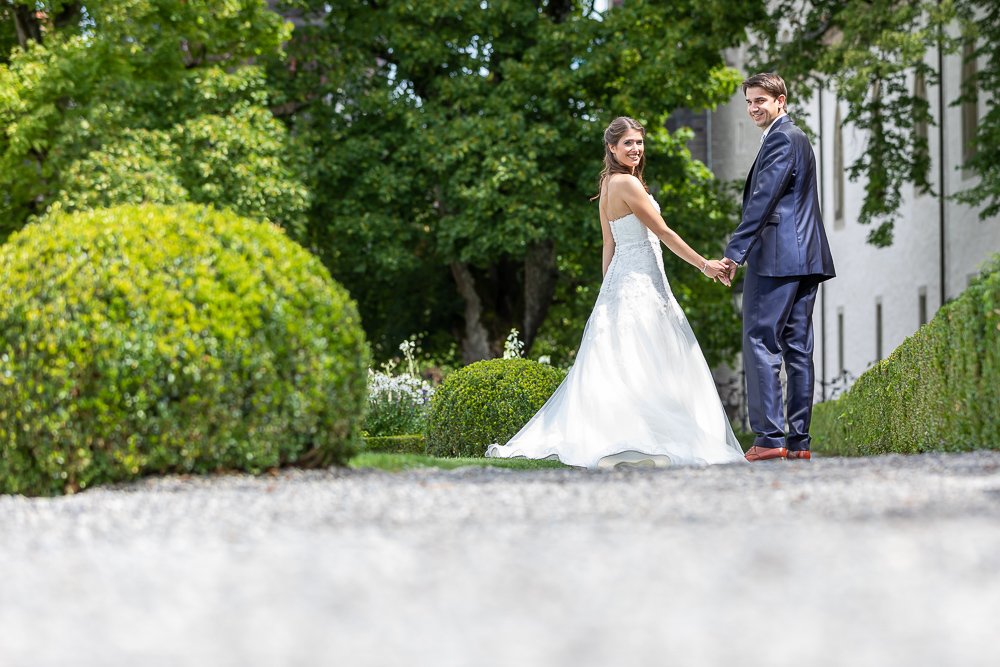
[[69, 14], [539, 288], [29, 28], [26, 22], [476, 344]]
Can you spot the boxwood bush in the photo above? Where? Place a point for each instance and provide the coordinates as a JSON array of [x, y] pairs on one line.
[[487, 402], [152, 339], [938, 391]]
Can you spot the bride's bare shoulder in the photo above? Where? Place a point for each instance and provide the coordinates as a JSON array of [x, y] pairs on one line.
[[623, 182]]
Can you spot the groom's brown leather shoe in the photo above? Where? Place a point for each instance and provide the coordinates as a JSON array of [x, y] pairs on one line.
[[756, 453], [792, 454]]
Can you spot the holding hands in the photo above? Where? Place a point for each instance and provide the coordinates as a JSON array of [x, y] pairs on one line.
[[721, 269], [731, 266]]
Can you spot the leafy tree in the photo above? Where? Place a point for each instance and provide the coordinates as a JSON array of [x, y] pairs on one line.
[[460, 141], [125, 101], [871, 53], [980, 22], [8, 32]]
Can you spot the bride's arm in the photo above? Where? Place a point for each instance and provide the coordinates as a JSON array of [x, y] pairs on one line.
[[638, 201], [609, 245]]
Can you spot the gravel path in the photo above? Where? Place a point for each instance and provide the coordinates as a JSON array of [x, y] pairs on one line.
[[884, 561]]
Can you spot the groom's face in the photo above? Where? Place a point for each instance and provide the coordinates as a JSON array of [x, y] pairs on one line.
[[762, 107]]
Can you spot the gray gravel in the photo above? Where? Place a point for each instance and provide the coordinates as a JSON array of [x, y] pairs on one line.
[[884, 561]]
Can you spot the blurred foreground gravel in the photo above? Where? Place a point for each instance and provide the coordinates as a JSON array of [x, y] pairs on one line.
[[884, 561]]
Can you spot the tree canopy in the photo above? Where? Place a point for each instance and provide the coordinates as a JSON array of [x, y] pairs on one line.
[[455, 145], [873, 54], [439, 155], [126, 101]]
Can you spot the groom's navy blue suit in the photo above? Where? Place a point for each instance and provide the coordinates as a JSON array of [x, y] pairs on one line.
[[782, 240]]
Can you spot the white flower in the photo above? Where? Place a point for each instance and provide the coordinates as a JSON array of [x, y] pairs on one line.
[[408, 347], [385, 387], [512, 348]]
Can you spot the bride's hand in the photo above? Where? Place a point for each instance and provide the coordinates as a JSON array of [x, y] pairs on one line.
[[717, 270]]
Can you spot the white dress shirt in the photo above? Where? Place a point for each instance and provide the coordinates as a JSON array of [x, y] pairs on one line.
[[768, 129]]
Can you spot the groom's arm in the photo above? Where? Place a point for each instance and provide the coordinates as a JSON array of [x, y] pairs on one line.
[[772, 180]]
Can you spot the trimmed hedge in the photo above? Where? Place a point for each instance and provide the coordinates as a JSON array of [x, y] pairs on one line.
[[396, 444], [938, 391], [151, 339], [487, 402]]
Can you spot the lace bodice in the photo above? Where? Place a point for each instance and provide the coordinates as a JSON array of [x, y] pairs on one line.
[[629, 229], [635, 282]]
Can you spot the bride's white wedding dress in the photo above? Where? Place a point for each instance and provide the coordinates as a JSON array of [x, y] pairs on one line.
[[640, 391]]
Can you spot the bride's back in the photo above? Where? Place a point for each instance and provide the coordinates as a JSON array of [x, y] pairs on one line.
[[613, 204]]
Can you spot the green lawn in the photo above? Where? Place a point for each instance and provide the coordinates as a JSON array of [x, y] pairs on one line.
[[392, 462], [397, 462]]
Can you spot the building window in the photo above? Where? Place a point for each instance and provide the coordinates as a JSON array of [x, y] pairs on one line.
[[838, 171], [922, 306], [970, 106], [878, 329], [840, 340]]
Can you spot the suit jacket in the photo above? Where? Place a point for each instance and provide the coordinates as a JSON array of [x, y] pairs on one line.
[[782, 232]]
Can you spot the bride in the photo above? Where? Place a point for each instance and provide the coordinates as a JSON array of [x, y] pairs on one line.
[[640, 391]]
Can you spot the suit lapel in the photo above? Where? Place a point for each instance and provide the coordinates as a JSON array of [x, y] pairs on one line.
[[751, 182]]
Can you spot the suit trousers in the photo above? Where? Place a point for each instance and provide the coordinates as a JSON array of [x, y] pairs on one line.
[[777, 326]]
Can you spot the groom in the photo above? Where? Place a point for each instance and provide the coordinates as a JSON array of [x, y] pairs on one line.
[[782, 240]]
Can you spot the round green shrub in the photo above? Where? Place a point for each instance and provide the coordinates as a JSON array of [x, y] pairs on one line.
[[487, 402], [151, 339]]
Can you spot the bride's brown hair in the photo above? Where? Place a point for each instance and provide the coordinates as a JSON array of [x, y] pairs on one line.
[[616, 130]]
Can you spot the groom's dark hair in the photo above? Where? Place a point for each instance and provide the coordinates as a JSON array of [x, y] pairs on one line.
[[772, 84]]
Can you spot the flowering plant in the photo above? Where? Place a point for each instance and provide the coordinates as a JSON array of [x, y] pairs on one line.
[[397, 405], [512, 347]]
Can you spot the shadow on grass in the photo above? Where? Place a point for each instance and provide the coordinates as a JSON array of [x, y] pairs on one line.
[[397, 462]]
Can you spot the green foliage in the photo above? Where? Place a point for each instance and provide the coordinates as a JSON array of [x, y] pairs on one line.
[[466, 133], [487, 402], [148, 339], [146, 101], [8, 34], [397, 462], [938, 391], [396, 444], [871, 54], [981, 22], [828, 431]]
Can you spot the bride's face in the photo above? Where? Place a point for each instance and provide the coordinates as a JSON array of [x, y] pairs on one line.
[[629, 148]]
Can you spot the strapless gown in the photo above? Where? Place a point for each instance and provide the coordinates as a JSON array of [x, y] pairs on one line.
[[640, 391]]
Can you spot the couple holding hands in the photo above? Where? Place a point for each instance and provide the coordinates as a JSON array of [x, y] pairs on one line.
[[640, 391]]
